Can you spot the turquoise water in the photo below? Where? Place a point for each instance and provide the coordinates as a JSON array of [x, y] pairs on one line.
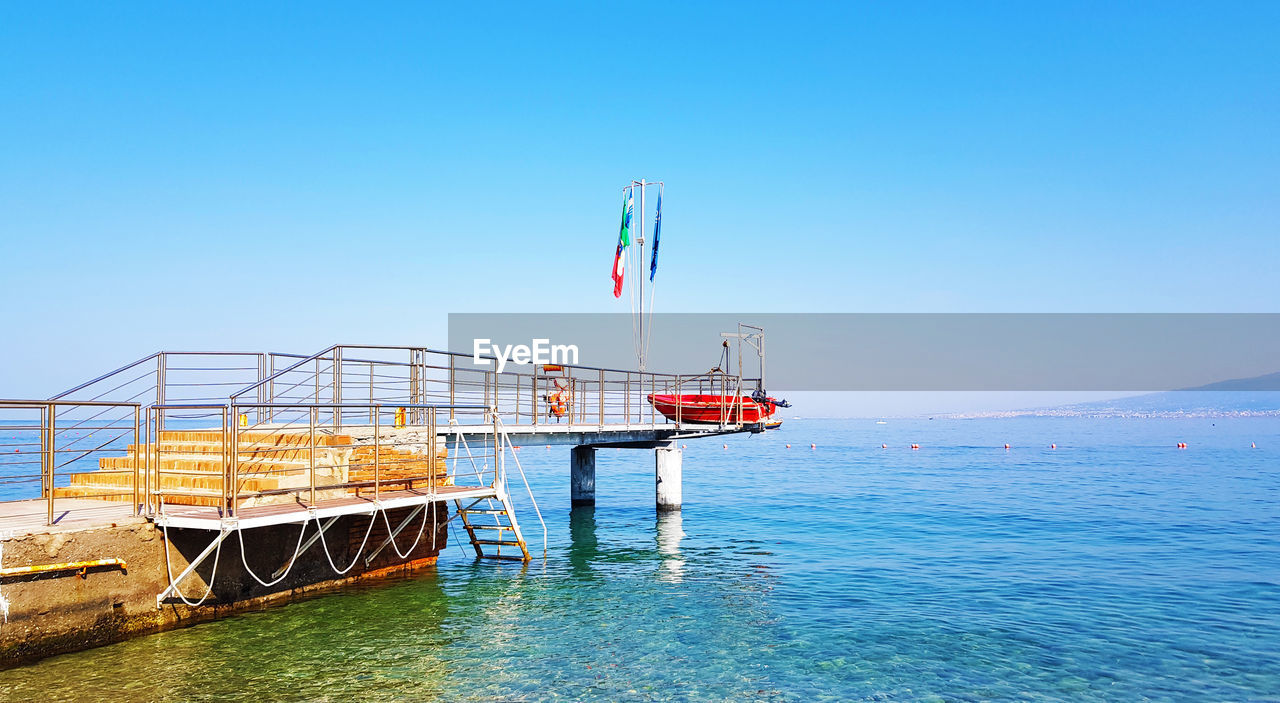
[[1115, 567]]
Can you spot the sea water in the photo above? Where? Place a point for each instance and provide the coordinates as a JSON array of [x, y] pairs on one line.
[[1115, 567]]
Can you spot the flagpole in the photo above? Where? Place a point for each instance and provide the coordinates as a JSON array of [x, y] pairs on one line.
[[640, 266]]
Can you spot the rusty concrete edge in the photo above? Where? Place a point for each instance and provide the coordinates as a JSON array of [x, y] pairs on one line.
[[117, 628]]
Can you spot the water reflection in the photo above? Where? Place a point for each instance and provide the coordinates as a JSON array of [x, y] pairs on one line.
[[583, 545], [669, 531]]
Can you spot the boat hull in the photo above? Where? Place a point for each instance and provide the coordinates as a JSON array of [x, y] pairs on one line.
[[711, 409]]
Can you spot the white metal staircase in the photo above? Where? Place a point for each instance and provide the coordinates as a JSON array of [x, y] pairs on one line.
[[490, 521]]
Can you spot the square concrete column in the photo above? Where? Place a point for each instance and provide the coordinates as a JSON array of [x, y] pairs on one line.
[[582, 475], [667, 470]]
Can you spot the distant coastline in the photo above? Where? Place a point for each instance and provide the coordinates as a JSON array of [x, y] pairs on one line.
[[1170, 404]]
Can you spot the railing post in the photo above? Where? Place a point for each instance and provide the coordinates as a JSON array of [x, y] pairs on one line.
[[497, 452], [602, 397], [371, 410], [137, 437], [162, 364], [573, 396], [311, 431], [626, 401], [51, 457], [451, 388], [377, 444], [271, 390], [148, 498], [676, 397], [724, 412], [534, 398], [653, 409], [431, 447], [337, 389], [230, 456], [262, 387]]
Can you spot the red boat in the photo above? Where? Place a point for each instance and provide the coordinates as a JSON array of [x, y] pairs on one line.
[[715, 408]]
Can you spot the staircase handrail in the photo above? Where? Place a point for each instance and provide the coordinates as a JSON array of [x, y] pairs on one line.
[[527, 488]]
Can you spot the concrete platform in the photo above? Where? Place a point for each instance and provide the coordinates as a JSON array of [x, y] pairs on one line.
[[27, 517]]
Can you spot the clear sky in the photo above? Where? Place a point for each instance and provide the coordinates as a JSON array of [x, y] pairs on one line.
[[284, 176]]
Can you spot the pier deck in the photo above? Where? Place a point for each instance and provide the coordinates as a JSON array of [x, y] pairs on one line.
[[182, 436], [24, 517]]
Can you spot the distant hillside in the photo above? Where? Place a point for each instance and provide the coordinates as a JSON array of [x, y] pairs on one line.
[[1191, 403], [1244, 397], [1268, 382]]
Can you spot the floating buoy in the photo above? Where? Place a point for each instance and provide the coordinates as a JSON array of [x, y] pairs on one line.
[[884, 446], [1252, 445], [1182, 445], [724, 446], [788, 446], [1006, 445], [813, 446], [684, 446], [915, 446], [548, 446], [1053, 446]]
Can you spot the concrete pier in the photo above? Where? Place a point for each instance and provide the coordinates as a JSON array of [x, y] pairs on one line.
[[64, 611], [582, 475], [667, 476]]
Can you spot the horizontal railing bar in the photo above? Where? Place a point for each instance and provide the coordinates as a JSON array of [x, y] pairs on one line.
[[107, 375], [211, 368], [36, 404], [277, 374], [240, 404]]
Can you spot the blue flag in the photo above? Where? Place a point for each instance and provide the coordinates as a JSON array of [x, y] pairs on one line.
[[657, 233]]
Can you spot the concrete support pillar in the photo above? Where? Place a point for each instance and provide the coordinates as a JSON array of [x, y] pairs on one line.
[[667, 470], [582, 475]]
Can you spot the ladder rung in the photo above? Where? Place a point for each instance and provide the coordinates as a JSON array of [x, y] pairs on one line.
[[502, 542], [483, 511], [504, 557], [490, 527]]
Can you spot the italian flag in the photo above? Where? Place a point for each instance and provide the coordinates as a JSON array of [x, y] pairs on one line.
[[624, 241]]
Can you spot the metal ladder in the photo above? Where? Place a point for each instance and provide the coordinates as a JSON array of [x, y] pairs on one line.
[[491, 522]]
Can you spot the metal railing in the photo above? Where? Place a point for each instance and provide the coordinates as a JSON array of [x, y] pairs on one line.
[[91, 441], [560, 395], [67, 450], [298, 458]]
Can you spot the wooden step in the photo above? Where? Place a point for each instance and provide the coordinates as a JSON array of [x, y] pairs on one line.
[[275, 438], [188, 466], [126, 496], [196, 462], [245, 451], [169, 480]]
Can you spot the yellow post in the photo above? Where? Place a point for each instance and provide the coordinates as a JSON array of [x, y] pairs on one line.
[[399, 423]]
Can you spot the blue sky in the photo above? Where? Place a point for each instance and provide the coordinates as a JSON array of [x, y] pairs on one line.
[[285, 176]]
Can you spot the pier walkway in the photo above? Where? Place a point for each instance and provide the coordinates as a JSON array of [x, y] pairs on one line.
[[234, 440]]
